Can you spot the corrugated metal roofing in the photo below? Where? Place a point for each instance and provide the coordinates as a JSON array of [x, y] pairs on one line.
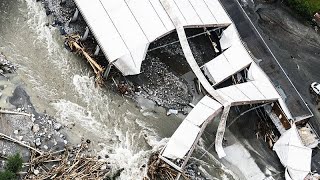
[[233, 60], [124, 28], [186, 134]]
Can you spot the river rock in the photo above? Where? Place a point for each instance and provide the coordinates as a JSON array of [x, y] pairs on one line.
[[36, 172], [103, 167], [20, 138], [35, 128], [57, 126], [38, 142], [172, 111]]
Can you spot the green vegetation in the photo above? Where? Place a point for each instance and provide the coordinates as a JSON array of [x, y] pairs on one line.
[[13, 165], [7, 175], [306, 8]]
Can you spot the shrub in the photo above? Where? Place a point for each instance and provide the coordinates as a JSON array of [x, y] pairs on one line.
[[14, 163], [7, 175], [306, 8]]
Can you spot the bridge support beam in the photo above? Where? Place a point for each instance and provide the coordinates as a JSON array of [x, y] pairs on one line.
[[75, 15], [220, 131], [107, 71], [96, 52], [86, 34]]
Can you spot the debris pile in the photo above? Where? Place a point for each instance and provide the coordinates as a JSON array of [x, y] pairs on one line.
[[163, 86], [265, 132], [73, 42], [69, 163], [159, 170]]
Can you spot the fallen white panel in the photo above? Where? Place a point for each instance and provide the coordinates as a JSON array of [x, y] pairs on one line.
[[234, 93], [229, 37], [261, 79], [203, 11], [162, 14], [100, 25], [126, 24], [219, 69], [218, 11], [181, 141], [188, 12], [130, 64], [293, 154], [266, 89], [255, 73], [213, 104], [199, 114], [171, 6], [251, 91], [147, 18], [284, 107], [205, 108], [238, 56]]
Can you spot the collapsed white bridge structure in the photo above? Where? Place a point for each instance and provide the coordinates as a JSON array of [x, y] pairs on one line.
[[125, 28]]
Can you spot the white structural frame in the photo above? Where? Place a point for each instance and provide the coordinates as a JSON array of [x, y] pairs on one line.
[[124, 29]]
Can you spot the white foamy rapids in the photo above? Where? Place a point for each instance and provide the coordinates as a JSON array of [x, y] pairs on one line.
[[37, 21], [68, 112], [132, 140]]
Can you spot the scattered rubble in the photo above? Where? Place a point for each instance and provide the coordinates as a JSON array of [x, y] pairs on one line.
[[162, 86], [37, 137], [158, 169], [6, 67], [68, 163], [57, 126]]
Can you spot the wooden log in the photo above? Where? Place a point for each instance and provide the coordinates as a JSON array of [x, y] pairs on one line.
[[8, 138]]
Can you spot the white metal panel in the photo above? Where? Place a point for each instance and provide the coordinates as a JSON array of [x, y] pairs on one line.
[[267, 89], [162, 14], [148, 18], [213, 104], [125, 23], [129, 66], [188, 12], [255, 73], [171, 6], [218, 11], [203, 12], [229, 36], [219, 68], [293, 154], [205, 108], [237, 56], [181, 140], [225, 96], [199, 114], [233, 92], [100, 24], [250, 91], [284, 107]]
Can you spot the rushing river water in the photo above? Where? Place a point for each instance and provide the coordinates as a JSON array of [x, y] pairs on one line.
[[61, 83]]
